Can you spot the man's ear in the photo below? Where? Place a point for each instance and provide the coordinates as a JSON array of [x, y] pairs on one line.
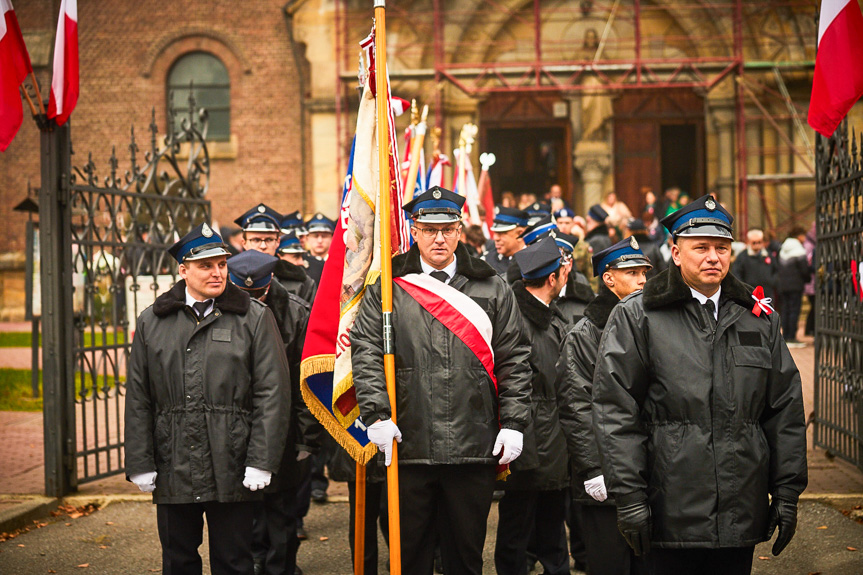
[[675, 254], [608, 278], [183, 270]]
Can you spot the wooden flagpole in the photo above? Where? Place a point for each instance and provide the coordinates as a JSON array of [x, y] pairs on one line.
[[360, 520], [387, 274]]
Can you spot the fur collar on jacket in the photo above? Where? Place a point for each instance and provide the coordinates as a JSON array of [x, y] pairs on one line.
[[470, 267], [667, 287], [232, 300], [531, 308], [576, 290], [289, 272], [598, 310]]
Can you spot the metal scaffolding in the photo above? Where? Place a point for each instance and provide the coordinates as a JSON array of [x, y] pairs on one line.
[[756, 45]]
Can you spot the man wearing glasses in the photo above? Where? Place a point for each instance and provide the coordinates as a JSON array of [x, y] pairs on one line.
[[462, 386], [260, 227]]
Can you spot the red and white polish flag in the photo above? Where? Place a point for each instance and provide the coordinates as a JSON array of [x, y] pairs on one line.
[[14, 67], [838, 80], [64, 85]]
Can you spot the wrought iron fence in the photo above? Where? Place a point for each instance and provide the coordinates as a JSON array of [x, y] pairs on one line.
[[839, 296], [119, 227]]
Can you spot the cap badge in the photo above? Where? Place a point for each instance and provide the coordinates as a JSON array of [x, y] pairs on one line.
[[536, 206], [497, 210], [261, 209], [710, 204], [436, 194], [249, 281], [633, 243], [206, 231]]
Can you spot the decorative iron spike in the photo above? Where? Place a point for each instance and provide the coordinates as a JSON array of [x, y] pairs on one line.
[[132, 174], [154, 130], [170, 118], [192, 104], [111, 181], [90, 170]]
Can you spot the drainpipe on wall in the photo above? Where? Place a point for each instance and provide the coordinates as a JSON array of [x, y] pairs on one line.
[[289, 10]]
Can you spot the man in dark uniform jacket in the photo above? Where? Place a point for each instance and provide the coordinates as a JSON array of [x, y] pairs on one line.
[[537, 230], [319, 234], [508, 225], [576, 294], [597, 230], [276, 534], [536, 492], [207, 409], [622, 270], [290, 269], [698, 410], [635, 228], [462, 407], [313, 266]]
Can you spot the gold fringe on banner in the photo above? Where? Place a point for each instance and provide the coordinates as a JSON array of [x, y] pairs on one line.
[[320, 364]]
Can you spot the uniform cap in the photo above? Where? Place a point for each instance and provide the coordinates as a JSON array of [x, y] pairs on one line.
[[597, 213], [202, 242], [506, 219], [435, 206], [539, 260], [320, 223], [291, 221], [565, 242], [624, 254], [261, 218], [703, 217], [564, 213], [538, 230], [290, 244], [636, 225], [251, 269]]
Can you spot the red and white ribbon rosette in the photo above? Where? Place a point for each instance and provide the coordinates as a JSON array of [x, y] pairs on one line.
[[762, 304]]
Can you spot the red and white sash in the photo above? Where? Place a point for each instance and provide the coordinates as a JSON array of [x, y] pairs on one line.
[[457, 312]]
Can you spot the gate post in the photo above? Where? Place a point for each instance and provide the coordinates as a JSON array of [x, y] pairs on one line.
[[58, 385]]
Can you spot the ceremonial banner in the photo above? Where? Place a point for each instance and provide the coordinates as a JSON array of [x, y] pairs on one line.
[[64, 84], [838, 80], [15, 64], [354, 263]]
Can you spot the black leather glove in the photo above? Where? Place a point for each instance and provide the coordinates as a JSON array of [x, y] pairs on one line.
[[634, 523], [784, 514]]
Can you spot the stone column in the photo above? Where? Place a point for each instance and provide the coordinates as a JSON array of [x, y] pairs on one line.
[[726, 157], [593, 161]]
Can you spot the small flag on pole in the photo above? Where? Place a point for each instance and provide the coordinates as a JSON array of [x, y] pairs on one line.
[[64, 85], [14, 67], [838, 80]]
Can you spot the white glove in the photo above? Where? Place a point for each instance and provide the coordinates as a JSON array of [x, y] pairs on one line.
[[596, 488], [146, 482], [382, 433], [256, 478], [510, 441]]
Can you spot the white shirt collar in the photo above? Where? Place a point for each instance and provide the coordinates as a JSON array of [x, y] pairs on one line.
[[190, 301], [702, 299], [449, 270]]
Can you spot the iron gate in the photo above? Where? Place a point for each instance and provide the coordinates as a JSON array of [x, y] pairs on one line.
[[839, 296], [104, 261]]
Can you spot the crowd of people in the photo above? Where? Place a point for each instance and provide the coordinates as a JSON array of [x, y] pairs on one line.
[[614, 381]]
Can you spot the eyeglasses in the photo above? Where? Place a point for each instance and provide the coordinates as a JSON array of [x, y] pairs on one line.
[[431, 233], [265, 241]]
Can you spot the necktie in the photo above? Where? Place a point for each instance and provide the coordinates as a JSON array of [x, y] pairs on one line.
[[440, 276], [711, 309], [200, 308]]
